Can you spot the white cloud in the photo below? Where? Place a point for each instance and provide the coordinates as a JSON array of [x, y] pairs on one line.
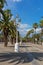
[[12, 18], [38, 30], [23, 28], [17, 0], [29, 29], [24, 32]]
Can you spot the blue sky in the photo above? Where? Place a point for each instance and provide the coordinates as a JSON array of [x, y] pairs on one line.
[[30, 11]]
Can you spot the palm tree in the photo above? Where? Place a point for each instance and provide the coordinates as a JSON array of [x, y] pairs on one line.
[[35, 26], [37, 36], [17, 23], [2, 2], [12, 31], [41, 26], [5, 25], [1, 37], [29, 32]]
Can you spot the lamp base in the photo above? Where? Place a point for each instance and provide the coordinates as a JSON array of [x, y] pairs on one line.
[[16, 47]]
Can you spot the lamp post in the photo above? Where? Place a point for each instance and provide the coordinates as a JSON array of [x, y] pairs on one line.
[[17, 20]]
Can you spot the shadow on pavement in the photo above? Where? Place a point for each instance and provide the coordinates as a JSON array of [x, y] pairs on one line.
[[20, 57], [25, 46], [20, 46], [13, 57], [38, 55]]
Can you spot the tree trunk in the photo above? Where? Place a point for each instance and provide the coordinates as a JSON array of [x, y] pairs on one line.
[[6, 41], [41, 41], [37, 41], [34, 37], [34, 40], [11, 40], [41, 36]]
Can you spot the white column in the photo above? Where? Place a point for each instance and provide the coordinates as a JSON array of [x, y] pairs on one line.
[[16, 44]]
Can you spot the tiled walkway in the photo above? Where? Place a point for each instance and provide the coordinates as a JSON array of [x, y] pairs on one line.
[[29, 54]]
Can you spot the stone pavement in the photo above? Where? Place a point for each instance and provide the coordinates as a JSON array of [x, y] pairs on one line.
[[29, 55]]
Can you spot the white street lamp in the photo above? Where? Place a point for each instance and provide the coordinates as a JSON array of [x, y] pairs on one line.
[[17, 44]]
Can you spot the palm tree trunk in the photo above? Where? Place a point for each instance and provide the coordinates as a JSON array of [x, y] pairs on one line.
[[6, 41], [41, 36], [11, 40], [5, 37], [34, 40], [34, 37], [41, 41], [37, 41]]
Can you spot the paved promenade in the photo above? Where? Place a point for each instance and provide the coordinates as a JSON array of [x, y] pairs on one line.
[[29, 54]]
